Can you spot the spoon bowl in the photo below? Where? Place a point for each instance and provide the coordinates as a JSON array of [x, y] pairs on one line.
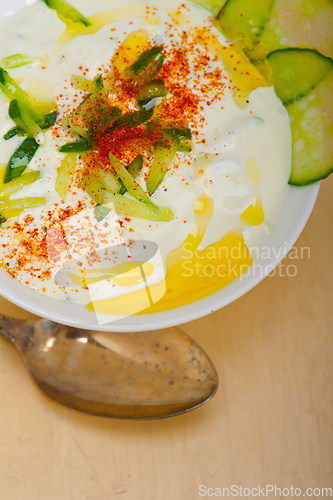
[[134, 376]]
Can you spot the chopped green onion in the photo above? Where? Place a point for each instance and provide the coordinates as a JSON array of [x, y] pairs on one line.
[[133, 188], [65, 176], [12, 133], [18, 60], [76, 147], [20, 183], [21, 159], [146, 93], [134, 208], [134, 169], [66, 11], [164, 154], [109, 181], [147, 66], [2, 220], [13, 208]]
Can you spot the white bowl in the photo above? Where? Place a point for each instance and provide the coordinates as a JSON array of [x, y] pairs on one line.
[[294, 216]]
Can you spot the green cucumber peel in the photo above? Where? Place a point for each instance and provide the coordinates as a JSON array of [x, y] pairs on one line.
[[20, 159], [105, 118], [65, 10], [134, 169], [147, 93], [79, 146], [13, 132], [146, 67], [296, 72], [182, 136], [23, 119], [135, 119], [49, 120], [312, 135]]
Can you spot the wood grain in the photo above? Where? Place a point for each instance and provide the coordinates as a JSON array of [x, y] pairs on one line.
[[270, 423]]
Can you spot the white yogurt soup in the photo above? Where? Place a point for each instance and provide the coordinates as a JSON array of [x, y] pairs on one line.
[[165, 89]]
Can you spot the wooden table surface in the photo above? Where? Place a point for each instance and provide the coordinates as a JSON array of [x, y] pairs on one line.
[[270, 423]]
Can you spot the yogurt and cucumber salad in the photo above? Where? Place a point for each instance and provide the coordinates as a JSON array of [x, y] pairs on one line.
[[155, 122]]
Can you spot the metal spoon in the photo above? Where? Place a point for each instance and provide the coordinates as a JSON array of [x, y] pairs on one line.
[[133, 376]]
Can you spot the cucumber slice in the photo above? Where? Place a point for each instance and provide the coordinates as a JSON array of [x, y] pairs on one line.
[[134, 169], [244, 20], [19, 183], [164, 154], [13, 208], [133, 188], [312, 131], [302, 23], [65, 175], [135, 208], [18, 60], [92, 186], [109, 181], [296, 72]]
